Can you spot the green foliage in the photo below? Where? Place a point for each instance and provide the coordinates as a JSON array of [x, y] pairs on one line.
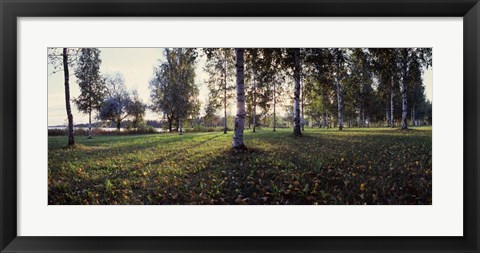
[[210, 110], [92, 85], [220, 67], [115, 106], [355, 166], [173, 89], [136, 109], [142, 129]]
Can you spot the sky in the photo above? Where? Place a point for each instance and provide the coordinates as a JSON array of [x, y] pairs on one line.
[[136, 66]]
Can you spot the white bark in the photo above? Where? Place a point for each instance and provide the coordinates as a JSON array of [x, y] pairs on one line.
[[392, 118], [303, 116], [339, 104], [240, 118], [71, 139], [296, 100], [274, 108], [180, 125], [225, 93], [254, 104], [89, 125], [404, 92]]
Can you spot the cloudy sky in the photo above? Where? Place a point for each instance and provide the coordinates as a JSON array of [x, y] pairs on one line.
[[136, 65]]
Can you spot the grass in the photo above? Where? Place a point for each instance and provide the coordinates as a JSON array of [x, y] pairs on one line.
[[354, 166]]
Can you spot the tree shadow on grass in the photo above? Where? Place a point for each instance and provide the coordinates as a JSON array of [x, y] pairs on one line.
[[314, 169], [176, 152], [117, 152]]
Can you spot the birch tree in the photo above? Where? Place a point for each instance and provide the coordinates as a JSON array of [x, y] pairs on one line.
[[251, 72], [240, 89], [386, 65], [269, 80], [173, 89], [296, 94], [321, 70], [66, 75], [405, 58], [338, 75], [92, 85], [258, 85], [221, 70], [359, 84], [411, 60], [415, 90], [278, 89], [68, 58]]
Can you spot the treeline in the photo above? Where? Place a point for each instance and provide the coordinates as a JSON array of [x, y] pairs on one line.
[[125, 124], [319, 87], [337, 87], [104, 94]]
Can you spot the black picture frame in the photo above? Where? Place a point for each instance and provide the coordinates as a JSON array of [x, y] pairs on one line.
[[10, 10]]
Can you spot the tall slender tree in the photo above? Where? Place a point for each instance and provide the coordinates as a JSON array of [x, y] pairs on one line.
[[296, 99], [66, 75], [405, 58], [385, 61], [339, 73], [221, 70], [320, 89], [63, 61], [415, 89], [240, 118], [411, 60], [277, 84], [359, 86], [270, 79], [253, 64], [91, 83]]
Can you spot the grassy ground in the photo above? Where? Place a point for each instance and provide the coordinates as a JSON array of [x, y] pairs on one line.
[[355, 166]]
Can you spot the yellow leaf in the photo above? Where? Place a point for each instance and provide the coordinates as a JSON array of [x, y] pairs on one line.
[[362, 187]]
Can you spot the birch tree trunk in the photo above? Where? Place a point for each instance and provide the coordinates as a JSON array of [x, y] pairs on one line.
[[274, 108], [90, 124], [413, 115], [303, 116], [254, 104], [180, 124], [339, 104], [296, 100], [325, 119], [363, 116], [240, 117], [169, 119], [387, 115], [225, 93], [404, 94], [392, 119], [66, 75]]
